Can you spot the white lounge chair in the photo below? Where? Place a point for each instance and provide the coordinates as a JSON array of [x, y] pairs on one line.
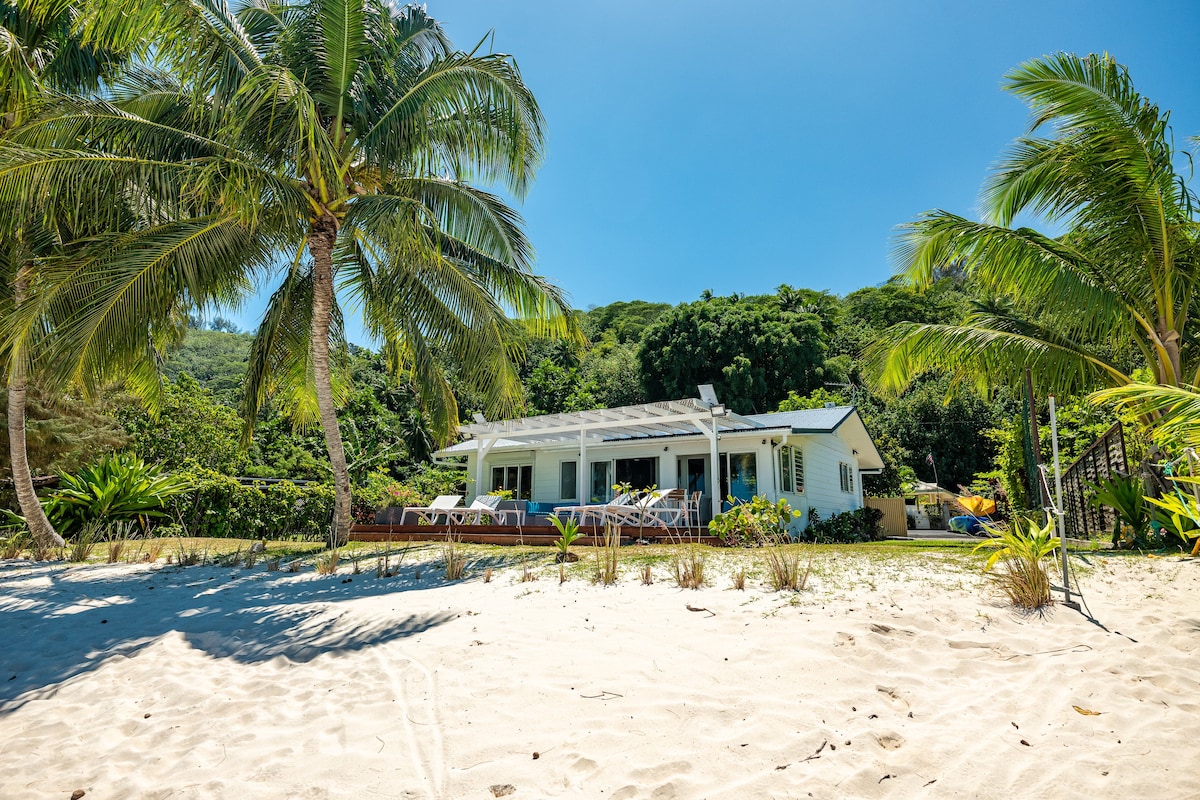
[[645, 510], [441, 505], [485, 505], [594, 509]]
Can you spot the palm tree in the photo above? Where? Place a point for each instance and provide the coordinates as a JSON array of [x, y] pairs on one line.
[[337, 137], [1084, 309], [39, 55]]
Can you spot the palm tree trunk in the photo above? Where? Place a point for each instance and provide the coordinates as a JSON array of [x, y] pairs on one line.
[[35, 517], [320, 244]]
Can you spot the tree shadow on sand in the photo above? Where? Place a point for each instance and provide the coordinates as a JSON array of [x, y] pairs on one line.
[[57, 622]]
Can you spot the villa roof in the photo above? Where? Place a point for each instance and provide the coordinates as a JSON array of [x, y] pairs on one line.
[[672, 418]]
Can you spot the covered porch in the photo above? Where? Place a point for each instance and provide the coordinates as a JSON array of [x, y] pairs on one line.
[[577, 457]]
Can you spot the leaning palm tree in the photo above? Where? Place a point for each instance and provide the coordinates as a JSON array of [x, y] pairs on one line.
[[338, 138], [1114, 293], [39, 55]]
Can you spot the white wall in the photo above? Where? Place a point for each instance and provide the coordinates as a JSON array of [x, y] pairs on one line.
[[822, 454]]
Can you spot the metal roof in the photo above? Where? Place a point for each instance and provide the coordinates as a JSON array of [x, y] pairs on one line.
[[667, 418], [673, 418]]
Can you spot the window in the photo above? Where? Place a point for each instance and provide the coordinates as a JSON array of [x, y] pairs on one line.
[[791, 469], [739, 475], [847, 476], [568, 480], [600, 488], [639, 473], [515, 478]]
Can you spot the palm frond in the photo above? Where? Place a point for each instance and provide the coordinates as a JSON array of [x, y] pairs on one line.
[[1174, 409]]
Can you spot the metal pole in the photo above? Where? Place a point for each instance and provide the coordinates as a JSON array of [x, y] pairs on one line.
[[1035, 438], [1058, 512]]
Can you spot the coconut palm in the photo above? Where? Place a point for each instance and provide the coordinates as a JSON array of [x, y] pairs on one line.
[[1084, 309], [39, 55], [336, 137]]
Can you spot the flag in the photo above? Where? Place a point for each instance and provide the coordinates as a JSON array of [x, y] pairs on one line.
[[929, 459]]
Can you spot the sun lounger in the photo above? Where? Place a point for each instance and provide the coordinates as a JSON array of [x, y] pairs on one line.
[[645, 510], [489, 506], [441, 506], [583, 512]]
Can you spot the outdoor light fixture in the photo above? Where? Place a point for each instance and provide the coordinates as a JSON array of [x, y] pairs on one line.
[[719, 410]]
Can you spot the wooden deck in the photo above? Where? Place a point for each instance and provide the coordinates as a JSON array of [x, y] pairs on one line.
[[512, 535]]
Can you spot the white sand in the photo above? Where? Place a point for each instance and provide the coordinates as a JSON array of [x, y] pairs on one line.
[[207, 682]]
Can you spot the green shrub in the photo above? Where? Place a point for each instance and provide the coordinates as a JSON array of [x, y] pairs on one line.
[[380, 490], [1133, 515], [220, 506], [118, 487], [756, 522], [1021, 550], [860, 525]]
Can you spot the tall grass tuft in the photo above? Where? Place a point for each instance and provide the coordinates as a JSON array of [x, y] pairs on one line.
[[154, 548], [606, 555], [80, 548], [117, 539], [454, 558], [327, 563], [12, 545], [783, 568], [687, 567], [1017, 564]]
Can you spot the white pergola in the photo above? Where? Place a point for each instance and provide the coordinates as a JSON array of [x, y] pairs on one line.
[[669, 418]]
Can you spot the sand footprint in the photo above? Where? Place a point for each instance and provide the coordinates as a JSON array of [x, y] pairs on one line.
[[890, 740], [893, 697]]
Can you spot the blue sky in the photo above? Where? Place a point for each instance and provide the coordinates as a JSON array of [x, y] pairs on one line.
[[736, 146]]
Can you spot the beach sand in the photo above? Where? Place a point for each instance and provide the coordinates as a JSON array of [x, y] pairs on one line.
[[896, 676]]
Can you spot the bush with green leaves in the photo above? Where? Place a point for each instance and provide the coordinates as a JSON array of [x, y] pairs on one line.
[[1124, 494], [754, 522], [221, 506], [1022, 550], [847, 527], [118, 487], [1180, 513]]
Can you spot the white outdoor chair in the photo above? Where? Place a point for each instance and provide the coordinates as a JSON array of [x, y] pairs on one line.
[[441, 505], [581, 513], [671, 511], [645, 510], [485, 505]]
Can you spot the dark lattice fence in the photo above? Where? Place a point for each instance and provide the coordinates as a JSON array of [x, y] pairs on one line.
[[1103, 457]]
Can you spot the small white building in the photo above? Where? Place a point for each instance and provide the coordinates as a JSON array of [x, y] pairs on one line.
[[813, 459]]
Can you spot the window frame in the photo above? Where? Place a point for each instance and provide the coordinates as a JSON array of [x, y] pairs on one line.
[[518, 472], [846, 477], [562, 465], [791, 469]]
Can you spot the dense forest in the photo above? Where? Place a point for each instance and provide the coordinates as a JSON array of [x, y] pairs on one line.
[[794, 348]]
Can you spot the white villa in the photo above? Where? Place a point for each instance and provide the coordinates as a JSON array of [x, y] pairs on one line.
[[813, 459]]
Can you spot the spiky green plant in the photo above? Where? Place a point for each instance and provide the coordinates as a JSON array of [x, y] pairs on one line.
[[1017, 558], [120, 486], [1124, 495], [568, 533]]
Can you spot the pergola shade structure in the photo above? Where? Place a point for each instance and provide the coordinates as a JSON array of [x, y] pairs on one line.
[[627, 423], [828, 435]]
